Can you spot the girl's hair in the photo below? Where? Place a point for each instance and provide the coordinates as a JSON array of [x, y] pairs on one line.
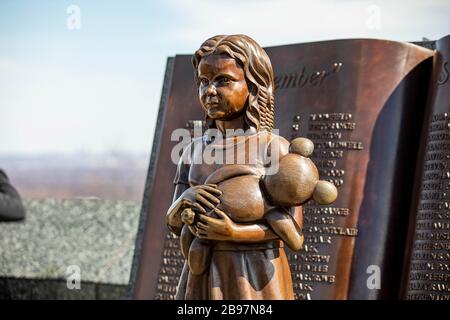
[[259, 112]]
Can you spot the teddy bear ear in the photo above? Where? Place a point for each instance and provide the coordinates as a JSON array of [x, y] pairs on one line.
[[325, 192], [301, 146]]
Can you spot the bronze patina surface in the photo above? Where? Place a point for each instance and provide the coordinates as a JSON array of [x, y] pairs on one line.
[[427, 272]]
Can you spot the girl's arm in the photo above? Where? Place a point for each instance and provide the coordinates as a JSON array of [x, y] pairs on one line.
[[287, 225], [225, 229], [173, 216], [199, 197], [279, 225]]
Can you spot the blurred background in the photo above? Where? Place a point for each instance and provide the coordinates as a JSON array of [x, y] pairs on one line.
[[80, 81]]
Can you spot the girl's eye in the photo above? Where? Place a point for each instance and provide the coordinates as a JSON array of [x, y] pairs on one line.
[[204, 81], [224, 80]]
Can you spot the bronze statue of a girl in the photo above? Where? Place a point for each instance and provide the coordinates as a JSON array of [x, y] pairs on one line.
[[234, 218]]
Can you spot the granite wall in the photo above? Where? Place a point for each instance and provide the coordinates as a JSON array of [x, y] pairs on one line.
[[41, 257]]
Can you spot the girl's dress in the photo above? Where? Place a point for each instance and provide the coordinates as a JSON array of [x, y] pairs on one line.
[[245, 271]]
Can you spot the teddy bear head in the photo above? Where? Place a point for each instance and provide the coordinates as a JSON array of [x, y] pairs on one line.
[[297, 178]]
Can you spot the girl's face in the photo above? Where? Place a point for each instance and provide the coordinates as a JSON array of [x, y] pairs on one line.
[[222, 88]]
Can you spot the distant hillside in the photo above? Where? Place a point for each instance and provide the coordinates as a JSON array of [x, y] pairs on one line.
[[115, 176]]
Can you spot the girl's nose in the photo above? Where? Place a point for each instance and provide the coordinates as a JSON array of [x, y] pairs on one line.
[[211, 90]]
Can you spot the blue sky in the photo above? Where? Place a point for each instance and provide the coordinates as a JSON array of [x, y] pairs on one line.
[[97, 89]]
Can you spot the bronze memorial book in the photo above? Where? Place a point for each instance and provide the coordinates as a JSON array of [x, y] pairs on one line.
[[378, 112]]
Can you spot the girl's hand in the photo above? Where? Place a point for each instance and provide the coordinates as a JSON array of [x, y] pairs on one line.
[[188, 216], [222, 228], [201, 197], [198, 197]]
